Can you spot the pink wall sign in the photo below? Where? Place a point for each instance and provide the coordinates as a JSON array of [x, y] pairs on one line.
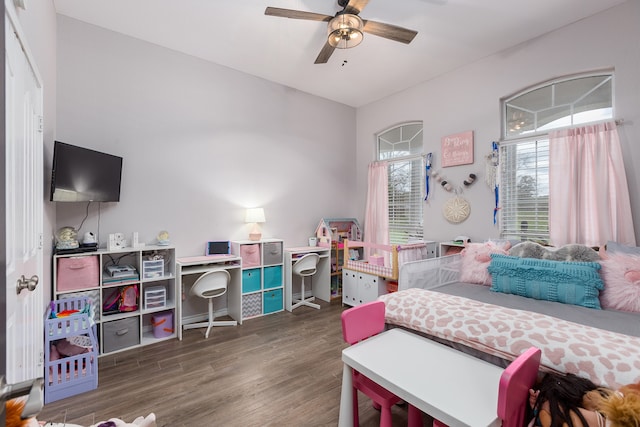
[[457, 149]]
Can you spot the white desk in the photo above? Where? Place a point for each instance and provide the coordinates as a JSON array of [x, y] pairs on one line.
[[321, 282], [203, 264], [451, 386]]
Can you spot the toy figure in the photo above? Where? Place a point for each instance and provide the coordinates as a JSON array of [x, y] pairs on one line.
[[571, 401]]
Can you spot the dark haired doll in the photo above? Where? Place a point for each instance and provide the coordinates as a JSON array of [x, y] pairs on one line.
[[558, 402]]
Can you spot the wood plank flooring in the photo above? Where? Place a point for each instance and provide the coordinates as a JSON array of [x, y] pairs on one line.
[[284, 369]]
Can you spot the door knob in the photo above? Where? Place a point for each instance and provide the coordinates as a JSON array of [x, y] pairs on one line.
[[24, 283]]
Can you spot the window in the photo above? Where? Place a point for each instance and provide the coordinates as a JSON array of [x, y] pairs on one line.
[[401, 147], [524, 150]]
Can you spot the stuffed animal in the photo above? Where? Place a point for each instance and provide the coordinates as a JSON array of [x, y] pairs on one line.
[[148, 421], [13, 410], [572, 252], [588, 405], [621, 408]]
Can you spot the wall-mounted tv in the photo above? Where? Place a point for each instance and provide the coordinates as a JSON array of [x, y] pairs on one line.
[[83, 175]]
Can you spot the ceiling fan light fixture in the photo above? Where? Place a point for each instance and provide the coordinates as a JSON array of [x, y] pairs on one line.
[[345, 31]]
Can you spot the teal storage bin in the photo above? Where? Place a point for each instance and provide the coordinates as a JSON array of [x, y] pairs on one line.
[[272, 301], [273, 277], [250, 280]]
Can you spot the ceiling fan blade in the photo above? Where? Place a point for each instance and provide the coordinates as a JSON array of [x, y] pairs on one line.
[[325, 54], [296, 14], [388, 31], [355, 6]]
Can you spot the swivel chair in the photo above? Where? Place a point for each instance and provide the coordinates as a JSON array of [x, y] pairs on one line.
[[211, 285], [304, 267]]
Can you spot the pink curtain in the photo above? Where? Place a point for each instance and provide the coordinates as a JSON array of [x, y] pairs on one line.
[[588, 195], [376, 220]]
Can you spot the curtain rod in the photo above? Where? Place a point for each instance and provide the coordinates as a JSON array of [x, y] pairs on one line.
[[618, 122]]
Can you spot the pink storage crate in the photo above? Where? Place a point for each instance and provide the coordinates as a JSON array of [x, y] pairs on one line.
[[75, 273], [162, 324], [250, 255]]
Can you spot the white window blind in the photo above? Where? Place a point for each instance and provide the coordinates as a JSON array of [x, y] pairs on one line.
[[401, 147], [524, 190], [405, 200]]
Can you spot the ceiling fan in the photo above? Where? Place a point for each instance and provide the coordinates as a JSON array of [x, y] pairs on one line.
[[346, 27]]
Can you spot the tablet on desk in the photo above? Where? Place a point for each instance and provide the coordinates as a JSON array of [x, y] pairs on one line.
[[221, 247]]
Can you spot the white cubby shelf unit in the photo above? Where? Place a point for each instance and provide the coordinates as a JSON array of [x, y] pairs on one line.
[[145, 271]]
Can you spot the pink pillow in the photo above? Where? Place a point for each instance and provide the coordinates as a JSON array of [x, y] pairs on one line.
[[621, 276], [476, 257]]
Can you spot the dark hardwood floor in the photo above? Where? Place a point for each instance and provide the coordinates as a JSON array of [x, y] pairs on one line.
[[279, 370]]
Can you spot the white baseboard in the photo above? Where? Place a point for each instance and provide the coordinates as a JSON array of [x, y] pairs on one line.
[[203, 317]]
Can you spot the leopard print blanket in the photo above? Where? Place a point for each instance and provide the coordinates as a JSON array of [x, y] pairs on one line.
[[607, 358]]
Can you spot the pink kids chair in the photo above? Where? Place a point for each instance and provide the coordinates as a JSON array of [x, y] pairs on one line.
[[513, 391], [360, 323]]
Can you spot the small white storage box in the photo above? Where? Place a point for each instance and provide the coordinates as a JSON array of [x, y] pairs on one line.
[[152, 269], [155, 297]]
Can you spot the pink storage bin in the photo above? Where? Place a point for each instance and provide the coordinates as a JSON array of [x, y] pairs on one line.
[[376, 260], [77, 273], [250, 255], [162, 324]]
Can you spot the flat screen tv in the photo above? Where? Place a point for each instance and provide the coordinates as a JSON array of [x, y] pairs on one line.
[[84, 175]]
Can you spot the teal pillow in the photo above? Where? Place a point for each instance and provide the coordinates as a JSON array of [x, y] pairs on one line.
[[576, 283]]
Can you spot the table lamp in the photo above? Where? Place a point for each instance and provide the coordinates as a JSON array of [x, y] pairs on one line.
[[255, 216]]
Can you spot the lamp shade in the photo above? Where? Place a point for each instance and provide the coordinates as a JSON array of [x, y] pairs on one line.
[[255, 215], [345, 31]]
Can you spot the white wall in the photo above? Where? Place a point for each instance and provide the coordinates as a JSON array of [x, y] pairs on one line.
[[200, 143], [469, 99]]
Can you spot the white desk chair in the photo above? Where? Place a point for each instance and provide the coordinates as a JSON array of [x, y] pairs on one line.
[[303, 267], [211, 285]]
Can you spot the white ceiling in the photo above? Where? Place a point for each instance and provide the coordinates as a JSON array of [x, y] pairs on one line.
[[237, 34]]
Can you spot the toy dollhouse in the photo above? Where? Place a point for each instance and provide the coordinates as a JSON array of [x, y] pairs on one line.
[[335, 230]]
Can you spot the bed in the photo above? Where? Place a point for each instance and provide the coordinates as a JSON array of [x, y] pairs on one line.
[[600, 344], [381, 260]]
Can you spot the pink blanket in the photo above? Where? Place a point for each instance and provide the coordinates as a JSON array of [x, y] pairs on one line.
[[606, 358]]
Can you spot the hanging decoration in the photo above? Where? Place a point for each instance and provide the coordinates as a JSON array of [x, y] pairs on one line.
[[448, 186], [427, 168], [456, 209], [470, 179], [492, 177]]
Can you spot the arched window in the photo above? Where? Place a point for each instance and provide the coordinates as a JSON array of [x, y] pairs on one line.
[[524, 150], [401, 147]]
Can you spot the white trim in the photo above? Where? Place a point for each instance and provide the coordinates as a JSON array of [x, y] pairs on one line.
[[10, 12]]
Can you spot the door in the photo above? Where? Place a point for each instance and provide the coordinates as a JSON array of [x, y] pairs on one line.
[[23, 183]]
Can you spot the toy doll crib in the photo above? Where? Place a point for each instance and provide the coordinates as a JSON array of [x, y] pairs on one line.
[[71, 349], [386, 259]]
